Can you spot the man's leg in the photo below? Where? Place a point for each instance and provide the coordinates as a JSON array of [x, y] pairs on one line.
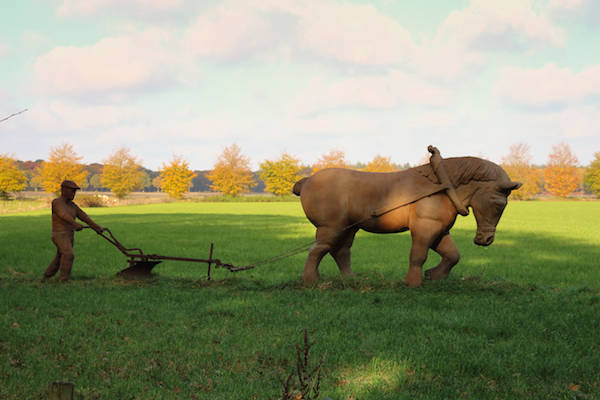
[[64, 242], [54, 264]]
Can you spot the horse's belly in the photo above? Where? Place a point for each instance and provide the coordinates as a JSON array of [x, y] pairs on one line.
[[394, 221]]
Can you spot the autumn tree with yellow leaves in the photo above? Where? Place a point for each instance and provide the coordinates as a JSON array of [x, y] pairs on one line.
[[380, 163], [591, 178], [561, 176], [176, 177], [518, 166], [231, 174], [333, 159], [122, 173], [12, 179], [63, 163], [281, 174]]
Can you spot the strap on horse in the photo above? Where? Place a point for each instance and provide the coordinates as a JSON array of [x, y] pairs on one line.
[[438, 169]]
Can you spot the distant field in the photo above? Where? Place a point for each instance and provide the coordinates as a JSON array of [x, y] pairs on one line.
[[517, 320], [20, 206], [31, 201]]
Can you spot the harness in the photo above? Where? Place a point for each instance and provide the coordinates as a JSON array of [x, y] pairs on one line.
[[438, 169], [445, 185]]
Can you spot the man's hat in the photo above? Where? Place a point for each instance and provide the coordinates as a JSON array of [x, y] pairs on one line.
[[69, 184]]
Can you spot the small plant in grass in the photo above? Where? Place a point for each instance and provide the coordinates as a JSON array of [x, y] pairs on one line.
[[304, 382]]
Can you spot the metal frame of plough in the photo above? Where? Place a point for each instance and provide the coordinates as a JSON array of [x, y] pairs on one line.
[[140, 264]]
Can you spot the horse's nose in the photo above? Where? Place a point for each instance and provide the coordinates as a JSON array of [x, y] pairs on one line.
[[484, 239]]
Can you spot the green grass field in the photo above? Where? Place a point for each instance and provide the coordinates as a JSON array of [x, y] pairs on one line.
[[517, 320]]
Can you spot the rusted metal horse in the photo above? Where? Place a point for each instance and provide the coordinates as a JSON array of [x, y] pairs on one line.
[[424, 200]]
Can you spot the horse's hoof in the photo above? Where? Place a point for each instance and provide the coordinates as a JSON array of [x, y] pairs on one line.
[[412, 283], [310, 280], [435, 275]]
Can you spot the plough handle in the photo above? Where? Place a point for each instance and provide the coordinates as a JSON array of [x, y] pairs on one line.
[[146, 257], [113, 240]]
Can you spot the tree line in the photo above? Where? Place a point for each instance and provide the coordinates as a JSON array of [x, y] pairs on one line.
[[122, 173]]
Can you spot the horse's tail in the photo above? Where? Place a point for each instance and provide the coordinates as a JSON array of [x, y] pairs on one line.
[[298, 186]]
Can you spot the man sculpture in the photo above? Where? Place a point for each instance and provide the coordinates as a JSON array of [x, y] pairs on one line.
[[64, 213]]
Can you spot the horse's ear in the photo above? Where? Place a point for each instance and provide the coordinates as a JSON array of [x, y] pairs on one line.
[[510, 186]]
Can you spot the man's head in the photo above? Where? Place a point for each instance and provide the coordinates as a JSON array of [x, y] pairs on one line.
[[68, 189]]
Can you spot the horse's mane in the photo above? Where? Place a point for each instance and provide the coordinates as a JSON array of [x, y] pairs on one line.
[[463, 170]]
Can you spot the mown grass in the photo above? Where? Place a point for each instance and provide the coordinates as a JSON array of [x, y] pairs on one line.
[[517, 320]]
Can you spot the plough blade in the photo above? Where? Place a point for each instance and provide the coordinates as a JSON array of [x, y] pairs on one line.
[[138, 269]]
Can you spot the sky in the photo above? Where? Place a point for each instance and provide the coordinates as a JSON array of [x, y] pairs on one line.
[[188, 78]]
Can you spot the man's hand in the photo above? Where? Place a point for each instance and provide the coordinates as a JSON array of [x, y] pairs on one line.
[[98, 229], [77, 226]]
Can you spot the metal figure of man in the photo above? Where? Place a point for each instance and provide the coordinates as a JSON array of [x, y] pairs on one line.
[[64, 213]]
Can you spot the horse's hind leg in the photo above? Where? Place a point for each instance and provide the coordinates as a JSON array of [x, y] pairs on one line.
[[325, 238], [446, 248], [341, 252]]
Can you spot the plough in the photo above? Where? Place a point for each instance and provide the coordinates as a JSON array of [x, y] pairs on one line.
[[140, 264]]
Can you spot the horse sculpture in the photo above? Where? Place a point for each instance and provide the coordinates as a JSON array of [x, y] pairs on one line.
[[424, 200]]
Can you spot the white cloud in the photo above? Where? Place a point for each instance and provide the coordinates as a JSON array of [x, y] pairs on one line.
[[373, 92], [433, 119], [345, 33], [587, 11], [565, 4], [355, 34], [547, 86], [466, 37], [229, 33], [70, 8], [580, 122], [361, 35], [112, 66], [515, 15], [61, 116], [144, 128]]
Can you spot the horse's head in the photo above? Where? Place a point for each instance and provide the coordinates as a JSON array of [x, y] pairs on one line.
[[488, 203]]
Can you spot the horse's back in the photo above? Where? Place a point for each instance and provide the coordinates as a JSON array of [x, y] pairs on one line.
[[336, 196]]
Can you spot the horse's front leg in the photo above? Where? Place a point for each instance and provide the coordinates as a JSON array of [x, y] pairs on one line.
[[446, 248], [418, 256], [423, 235]]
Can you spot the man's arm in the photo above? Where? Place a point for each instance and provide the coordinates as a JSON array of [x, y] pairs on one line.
[[85, 218]]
